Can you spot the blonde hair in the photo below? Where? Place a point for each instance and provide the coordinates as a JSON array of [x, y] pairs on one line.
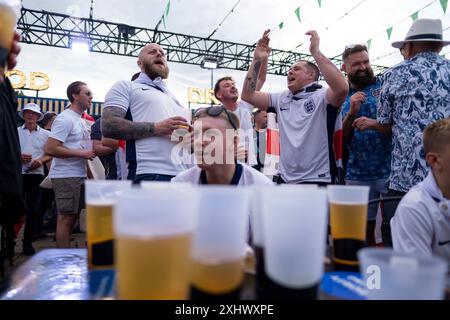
[[436, 136], [222, 115]]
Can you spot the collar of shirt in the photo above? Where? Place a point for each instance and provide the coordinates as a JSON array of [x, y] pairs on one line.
[[303, 93], [431, 187], [37, 128], [157, 83]]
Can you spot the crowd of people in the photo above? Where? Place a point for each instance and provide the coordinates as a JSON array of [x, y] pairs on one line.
[[395, 128]]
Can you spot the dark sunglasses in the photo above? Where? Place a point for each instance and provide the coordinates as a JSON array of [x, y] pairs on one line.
[[217, 110]]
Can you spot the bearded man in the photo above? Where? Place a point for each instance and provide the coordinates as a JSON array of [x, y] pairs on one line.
[[145, 113], [368, 145]]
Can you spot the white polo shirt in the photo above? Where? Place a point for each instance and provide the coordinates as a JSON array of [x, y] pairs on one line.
[[33, 143], [421, 224], [145, 103], [73, 132], [244, 113], [244, 176], [304, 149]]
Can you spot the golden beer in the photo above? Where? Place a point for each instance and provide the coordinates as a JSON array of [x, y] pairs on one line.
[[153, 268], [7, 27], [100, 237], [217, 278], [348, 230]]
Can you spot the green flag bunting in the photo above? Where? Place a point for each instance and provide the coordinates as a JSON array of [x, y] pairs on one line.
[[415, 16], [369, 44], [389, 33], [164, 21], [167, 8], [320, 3], [281, 25], [297, 13], [444, 5]]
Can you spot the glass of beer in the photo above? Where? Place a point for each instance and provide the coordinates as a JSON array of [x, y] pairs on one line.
[[348, 220], [8, 17], [101, 196], [390, 275], [154, 228], [219, 243], [294, 230]]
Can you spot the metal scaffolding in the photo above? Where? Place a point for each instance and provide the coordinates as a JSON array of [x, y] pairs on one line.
[[59, 30]]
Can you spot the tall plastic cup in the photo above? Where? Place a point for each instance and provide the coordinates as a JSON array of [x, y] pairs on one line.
[[154, 232], [348, 220], [294, 230], [391, 275], [219, 243]]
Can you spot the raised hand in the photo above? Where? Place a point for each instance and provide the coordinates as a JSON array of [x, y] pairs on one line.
[[262, 50], [356, 100], [315, 42]]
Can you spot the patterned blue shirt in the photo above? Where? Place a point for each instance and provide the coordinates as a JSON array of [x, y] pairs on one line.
[[370, 150], [414, 94]]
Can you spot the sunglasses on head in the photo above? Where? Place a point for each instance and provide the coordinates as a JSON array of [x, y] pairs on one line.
[[217, 110]]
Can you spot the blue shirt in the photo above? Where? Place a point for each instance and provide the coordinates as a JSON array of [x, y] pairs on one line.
[[414, 94], [370, 150]]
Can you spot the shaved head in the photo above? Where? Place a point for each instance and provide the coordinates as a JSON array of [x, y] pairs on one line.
[[152, 61]]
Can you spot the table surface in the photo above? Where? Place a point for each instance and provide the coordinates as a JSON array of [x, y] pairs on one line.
[[62, 274]]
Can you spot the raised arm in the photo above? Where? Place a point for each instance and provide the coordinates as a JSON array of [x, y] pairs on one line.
[[115, 126], [338, 86], [254, 80]]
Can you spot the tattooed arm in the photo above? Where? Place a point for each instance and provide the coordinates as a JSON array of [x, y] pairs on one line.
[[338, 90], [253, 80], [115, 126]]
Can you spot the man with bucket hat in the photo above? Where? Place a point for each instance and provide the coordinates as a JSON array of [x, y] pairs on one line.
[[32, 141], [414, 94]]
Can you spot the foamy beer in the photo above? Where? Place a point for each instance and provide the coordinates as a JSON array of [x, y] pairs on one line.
[[101, 197], [294, 230], [348, 220], [7, 27], [154, 228], [219, 244]]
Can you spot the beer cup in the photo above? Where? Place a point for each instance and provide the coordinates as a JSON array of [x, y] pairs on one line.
[[154, 228], [294, 231], [348, 220], [219, 243], [101, 196]]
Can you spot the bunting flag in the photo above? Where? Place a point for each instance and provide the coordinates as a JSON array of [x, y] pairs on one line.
[[389, 32], [415, 16], [369, 44], [320, 3], [164, 21], [444, 5], [281, 25], [297, 13], [167, 8]]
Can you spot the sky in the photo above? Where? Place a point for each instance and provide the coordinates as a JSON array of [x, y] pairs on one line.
[[339, 23]]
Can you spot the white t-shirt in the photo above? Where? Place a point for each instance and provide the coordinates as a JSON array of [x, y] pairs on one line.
[[146, 103], [304, 149], [244, 113], [244, 176], [32, 143], [421, 224], [73, 132]]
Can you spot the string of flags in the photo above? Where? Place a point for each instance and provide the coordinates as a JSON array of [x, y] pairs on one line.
[[166, 14]]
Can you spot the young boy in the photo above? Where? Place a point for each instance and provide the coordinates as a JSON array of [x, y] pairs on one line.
[[422, 221]]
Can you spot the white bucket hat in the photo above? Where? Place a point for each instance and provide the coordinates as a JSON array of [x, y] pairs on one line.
[[429, 30], [32, 107]]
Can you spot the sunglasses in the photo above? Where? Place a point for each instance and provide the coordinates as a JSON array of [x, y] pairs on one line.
[[217, 110]]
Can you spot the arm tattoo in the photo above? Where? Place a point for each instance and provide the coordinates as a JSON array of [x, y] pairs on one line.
[[115, 126], [255, 75]]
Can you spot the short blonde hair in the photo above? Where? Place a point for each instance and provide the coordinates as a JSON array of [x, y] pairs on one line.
[[222, 115], [436, 136]]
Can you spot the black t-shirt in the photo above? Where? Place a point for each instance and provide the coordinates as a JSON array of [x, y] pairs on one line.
[[10, 164], [109, 161]]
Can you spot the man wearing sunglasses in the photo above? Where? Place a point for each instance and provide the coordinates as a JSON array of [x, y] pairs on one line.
[[145, 113], [302, 112], [216, 140]]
